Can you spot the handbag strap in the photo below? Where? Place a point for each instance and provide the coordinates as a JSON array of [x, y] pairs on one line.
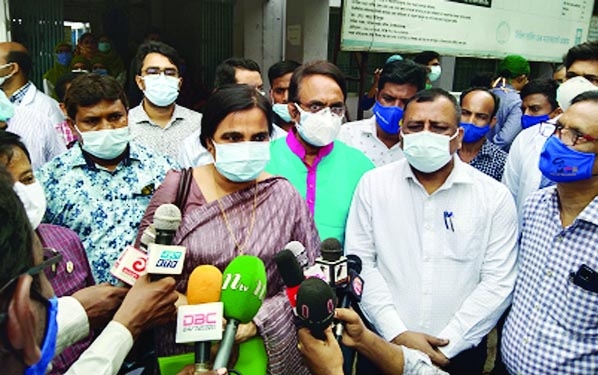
[[184, 188]]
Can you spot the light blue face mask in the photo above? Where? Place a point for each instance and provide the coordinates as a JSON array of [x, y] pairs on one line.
[[49, 344], [106, 144], [160, 89], [242, 161], [282, 110]]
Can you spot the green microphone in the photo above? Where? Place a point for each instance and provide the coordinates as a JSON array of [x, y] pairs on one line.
[[243, 291]]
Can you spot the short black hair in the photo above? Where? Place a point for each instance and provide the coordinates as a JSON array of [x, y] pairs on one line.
[[23, 59], [588, 96], [62, 81], [581, 52], [229, 99], [494, 97], [403, 72], [433, 94], [281, 68], [425, 57], [225, 72], [8, 142], [319, 67], [544, 86], [16, 234], [156, 47], [482, 79], [90, 89]]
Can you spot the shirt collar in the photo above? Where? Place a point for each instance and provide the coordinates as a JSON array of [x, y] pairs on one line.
[[460, 174], [589, 213], [17, 96], [177, 114], [298, 149], [83, 158]]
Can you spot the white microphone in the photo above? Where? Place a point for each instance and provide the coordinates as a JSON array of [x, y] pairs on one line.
[[163, 257], [298, 250]]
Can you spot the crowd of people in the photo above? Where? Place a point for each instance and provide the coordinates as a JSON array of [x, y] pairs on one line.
[[468, 213]]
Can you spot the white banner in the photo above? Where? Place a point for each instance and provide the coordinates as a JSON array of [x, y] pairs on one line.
[[539, 30]]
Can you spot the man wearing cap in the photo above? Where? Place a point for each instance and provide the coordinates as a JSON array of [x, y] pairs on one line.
[[513, 73]]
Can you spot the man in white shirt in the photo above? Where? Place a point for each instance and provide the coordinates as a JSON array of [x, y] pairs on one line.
[[15, 67], [437, 239], [229, 72], [158, 122], [378, 136]]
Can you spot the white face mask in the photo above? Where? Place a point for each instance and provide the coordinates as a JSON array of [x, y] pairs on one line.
[[427, 152], [160, 89], [243, 161], [34, 201], [105, 144], [4, 78], [320, 128], [435, 71]]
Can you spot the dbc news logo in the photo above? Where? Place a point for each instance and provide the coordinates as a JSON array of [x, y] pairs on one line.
[[200, 321]]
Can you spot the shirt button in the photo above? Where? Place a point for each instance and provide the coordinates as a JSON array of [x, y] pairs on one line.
[[537, 307], [525, 340], [548, 273], [311, 186]]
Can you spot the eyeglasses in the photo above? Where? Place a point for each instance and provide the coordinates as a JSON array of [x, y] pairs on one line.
[[51, 258], [170, 72], [590, 77], [572, 137], [337, 109]]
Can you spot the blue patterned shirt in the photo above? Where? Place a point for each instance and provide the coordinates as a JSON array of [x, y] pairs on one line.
[[553, 324], [104, 208], [490, 160]]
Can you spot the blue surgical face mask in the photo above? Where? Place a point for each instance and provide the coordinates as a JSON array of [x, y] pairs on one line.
[[48, 347], [160, 89], [528, 121], [104, 47], [561, 163], [388, 117], [243, 161], [426, 151], [64, 58], [473, 133], [435, 71], [282, 110], [106, 144]]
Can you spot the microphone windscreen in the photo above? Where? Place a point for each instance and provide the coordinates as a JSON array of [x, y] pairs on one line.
[[205, 285], [354, 263], [288, 268], [315, 304], [331, 249], [167, 217], [243, 288]]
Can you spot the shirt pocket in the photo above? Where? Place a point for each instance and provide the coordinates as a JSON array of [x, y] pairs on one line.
[[463, 237], [577, 312]]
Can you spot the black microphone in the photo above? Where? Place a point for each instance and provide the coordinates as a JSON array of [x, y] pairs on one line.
[[291, 273], [352, 291], [332, 263], [163, 257], [315, 306]]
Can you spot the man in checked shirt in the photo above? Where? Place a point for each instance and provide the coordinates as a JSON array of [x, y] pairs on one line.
[[553, 324]]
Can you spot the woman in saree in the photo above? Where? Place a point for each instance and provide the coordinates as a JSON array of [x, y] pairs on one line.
[[236, 208]]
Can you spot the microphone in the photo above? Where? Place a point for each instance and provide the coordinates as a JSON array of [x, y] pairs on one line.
[[129, 266], [291, 273], [299, 252], [315, 306], [352, 292], [147, 237], [243, 291], [332, 263], [164, 258], [200, 321]]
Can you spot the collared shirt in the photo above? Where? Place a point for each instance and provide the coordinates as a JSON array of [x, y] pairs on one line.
[[553, 324], [105, 355], [362, 135], [193, 154], [104, 208], [30, 97], [490, 160], [166, 140], [508, 117], [38, 134], [522, 175], [67, 134], [17, 96], [327, 185], [442, 264]]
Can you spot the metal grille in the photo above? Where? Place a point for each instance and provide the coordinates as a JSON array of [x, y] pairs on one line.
[[38, 25]]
